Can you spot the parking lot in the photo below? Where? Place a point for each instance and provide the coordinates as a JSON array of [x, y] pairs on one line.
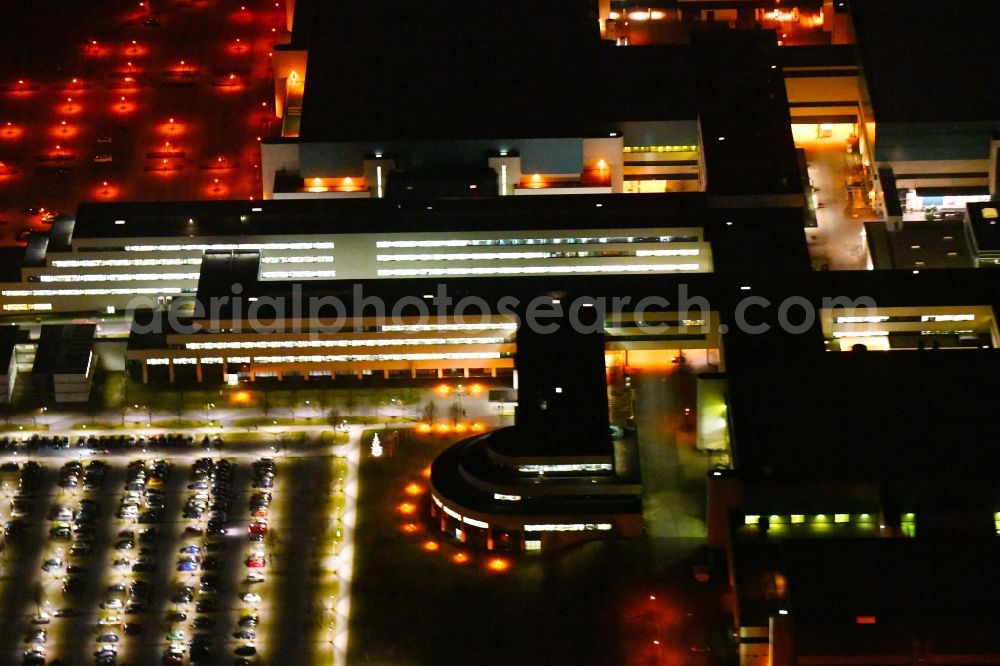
[[140, 552], [132, 101]]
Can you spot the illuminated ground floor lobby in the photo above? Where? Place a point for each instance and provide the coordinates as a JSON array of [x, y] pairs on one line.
[[487, 498]]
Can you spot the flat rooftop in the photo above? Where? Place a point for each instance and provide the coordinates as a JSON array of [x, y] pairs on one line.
[[769, 235], [192, 219], [743, 109], [800, 413], [984, 221], [11, 260], [8, 338], [64, 349], [944, 591], [448, 69], [888, 416], [872, 596], [918, 245], [562, 400], [947, 49]]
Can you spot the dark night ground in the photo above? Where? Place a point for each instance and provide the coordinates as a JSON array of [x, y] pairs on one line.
[[583, 605]]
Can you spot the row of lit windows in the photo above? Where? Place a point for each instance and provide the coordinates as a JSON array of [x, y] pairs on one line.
[[25, 307], [316, 259], [800, 518], [465, 520], [491, 256], [118, 277], [91, 292], [860, 334], [948, 317], [693, 252], [569, 467], [659, 149], [341, 358], [881, 334], [875, 319], [490, 242], [861, 320], [459, 517], [202, 247], [499, 326], [528, 270], [393, 342], [298, 275], [108, 263], [568, 527]]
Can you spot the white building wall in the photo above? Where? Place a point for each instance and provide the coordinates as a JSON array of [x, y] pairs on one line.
[[274, 157]]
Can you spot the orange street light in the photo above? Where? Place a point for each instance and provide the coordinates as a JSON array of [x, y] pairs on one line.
[[498, 564]]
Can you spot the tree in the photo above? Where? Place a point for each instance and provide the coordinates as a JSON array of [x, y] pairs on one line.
[[38, 596], [333, 416], [455, 412], [179, 404], [123, 395], [351, 402], [429, 411], [323, 400], [265, 401]]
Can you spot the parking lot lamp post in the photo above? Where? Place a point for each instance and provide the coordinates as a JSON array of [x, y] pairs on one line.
[[149, 413]]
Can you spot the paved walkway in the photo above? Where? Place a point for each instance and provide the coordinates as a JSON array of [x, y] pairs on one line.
[[840, 219], [673, 474]]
